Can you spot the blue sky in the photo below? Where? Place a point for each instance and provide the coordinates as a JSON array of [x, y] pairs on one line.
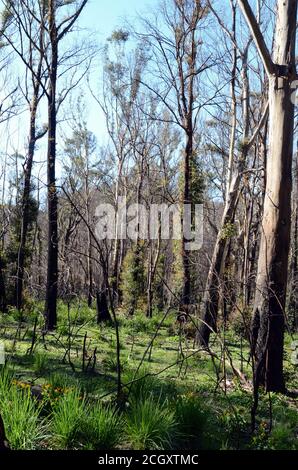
[[103, 16], [98, 19]]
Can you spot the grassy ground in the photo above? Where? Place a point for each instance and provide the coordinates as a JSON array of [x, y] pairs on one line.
[[54, 396]]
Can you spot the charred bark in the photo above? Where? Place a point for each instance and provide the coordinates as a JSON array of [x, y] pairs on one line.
[[52, 267], [102, 308]]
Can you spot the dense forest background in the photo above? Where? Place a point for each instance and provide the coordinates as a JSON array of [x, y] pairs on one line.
[[187, 102]]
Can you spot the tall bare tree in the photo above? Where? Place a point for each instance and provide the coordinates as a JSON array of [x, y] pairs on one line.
[[27, 39], [235, 172], [176, 50], [56, 32], [271, 284]]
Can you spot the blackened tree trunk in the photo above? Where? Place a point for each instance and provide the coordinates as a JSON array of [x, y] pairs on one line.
[[187, 200], [90, 273], [179, 52], [102, 308], [116, 268], [152, 267], [52, 268], [188, 100], [89, 242], [56, 35], [33, 57]]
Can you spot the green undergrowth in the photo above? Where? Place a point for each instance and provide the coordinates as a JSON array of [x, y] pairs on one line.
[[54, 395]]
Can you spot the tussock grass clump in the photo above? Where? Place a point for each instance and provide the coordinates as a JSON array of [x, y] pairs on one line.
[[110, 363], [151, 424], [67, 416], [77, 313], [58, 379], [41, 363], [21, 415], [192, 417], [76, 424], [103, 427], [143, 384]]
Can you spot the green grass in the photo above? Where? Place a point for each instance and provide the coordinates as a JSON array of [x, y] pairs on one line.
[[41, 363], [76, 424], [103, 427], [59, 380], [170, 405], [192, 416], [21, 414], [67, 418], [151, 425]]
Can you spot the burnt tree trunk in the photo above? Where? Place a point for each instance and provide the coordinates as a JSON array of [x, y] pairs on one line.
[[37, 93], [102, 308], [186, 265], [52, 268], [89, 254]]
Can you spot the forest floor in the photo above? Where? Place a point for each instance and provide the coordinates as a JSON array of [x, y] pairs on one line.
[[57, 394]]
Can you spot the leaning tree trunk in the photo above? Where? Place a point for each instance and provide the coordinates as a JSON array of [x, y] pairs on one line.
[[269, 316], [212, 289]]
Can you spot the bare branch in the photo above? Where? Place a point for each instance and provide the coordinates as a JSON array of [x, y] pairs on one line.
[[257, 36]]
